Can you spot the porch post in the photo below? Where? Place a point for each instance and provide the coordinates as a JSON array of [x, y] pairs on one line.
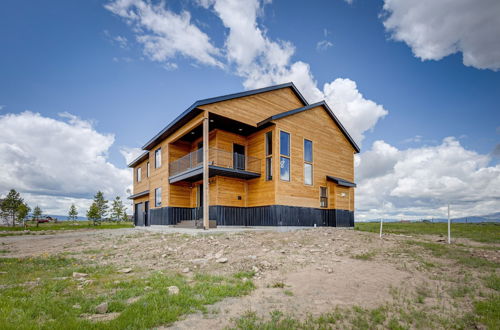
[[206, 200]]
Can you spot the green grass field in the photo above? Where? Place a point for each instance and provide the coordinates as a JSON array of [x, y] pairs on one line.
[[65, 225], [480, 232]]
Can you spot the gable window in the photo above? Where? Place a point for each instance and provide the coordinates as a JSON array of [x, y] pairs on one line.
[[158, 158], [269, 155], [308, 162], [147, 170], [323, 197], [139, 174], [158, 197], [284, 156]]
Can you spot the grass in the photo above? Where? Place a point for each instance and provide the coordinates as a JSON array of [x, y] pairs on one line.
[[365, 256], [64, 225], [41, 293], [479, 232]]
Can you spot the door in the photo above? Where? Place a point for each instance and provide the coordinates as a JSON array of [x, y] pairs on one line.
[[146, 214], [138, 218], [238, 156]]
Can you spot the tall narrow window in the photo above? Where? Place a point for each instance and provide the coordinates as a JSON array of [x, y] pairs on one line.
[[158, 158], [308, 162], [139, 174], [285, 156], [269, 155], [158, 197], [147, 170], [323, 197]]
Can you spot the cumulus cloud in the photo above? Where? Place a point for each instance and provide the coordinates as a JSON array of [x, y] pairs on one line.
[[165, 34], [419, 182], [66, 159], [323, 45], [435, 29], [130, 153]]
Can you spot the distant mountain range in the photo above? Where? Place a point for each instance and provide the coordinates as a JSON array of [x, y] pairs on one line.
[[493, 217]]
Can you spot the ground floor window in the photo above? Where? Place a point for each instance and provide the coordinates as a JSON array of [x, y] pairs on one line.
[[323, 199], [285, 168], [158, 197]]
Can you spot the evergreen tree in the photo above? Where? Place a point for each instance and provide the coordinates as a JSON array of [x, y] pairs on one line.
[[101, 204], [11, 206], [117, 209], [73, 213], [94, 215], [22, 213]]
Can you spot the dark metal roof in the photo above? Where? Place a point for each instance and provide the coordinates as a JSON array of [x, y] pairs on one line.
[[341, 182], [139, 159], [308, 107], [143, 193], [192, 111]]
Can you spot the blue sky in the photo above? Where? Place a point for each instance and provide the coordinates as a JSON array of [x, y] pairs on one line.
[[81, 58]]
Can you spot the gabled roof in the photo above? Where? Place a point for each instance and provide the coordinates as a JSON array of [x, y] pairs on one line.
[[139, 159], [193, 110], [309, 107], [341, 182]]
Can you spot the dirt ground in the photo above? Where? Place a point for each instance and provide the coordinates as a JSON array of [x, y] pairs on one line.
[[300, 272]]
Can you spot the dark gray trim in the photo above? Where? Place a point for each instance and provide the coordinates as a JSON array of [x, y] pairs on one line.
[[196, 173], [143, 193], [139, 159], [181, 119], [308, 107], [341, 182]]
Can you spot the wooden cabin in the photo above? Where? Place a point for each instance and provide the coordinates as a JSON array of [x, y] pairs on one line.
[[260, 157]]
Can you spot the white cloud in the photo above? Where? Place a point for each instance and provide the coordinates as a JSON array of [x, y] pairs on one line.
[[165, 34], [435, 29], [130, 153], [419, 182], [66, 159], [323, 45]]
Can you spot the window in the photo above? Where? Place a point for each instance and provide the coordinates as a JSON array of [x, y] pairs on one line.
[[139, 174], [308, 166], [269, 155], [285, 156], [158, 158], [158, 197], [323, 197], [147, 170]]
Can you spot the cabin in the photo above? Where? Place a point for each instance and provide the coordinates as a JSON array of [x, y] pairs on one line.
[[264, 157]]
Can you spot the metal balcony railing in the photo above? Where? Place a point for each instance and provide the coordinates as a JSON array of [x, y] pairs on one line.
[[216, 157]]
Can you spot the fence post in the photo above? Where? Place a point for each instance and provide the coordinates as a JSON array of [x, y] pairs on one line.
[[381, 222], [449, 225]]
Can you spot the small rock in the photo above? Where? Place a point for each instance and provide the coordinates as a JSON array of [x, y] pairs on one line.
[[186, 270], [76, 306], [255, 269], [221, 260], [173, 290], [125, 270], [102, 308], [132, 300], [244, 279], [164, 255], [219, 254], [330, 270], [79, 275]]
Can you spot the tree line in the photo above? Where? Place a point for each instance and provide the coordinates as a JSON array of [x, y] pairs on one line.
[[14, 209]]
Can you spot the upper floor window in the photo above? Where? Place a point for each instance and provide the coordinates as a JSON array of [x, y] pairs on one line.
[[284, 156], [269, 155], [158, 158], [308, 164], [139, 174], [147, 170], [158, 197]]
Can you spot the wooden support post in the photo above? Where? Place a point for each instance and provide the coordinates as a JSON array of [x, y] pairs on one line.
[[206, 200]]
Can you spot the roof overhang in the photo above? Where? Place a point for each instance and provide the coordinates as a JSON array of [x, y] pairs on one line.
[[139, 159], [309, 107], [341, 182], [141, 194], [193, 110]]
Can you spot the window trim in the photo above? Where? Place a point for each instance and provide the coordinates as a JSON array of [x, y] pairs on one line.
[[148, 169], [321, 197], [289, 157], [157, 204], [138, 174], [268, 156], [308, 162], [158, 151]]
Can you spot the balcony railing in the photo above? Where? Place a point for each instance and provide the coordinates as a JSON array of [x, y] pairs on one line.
[[216, 157]]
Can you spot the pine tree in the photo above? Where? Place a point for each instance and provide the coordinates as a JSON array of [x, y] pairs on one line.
[[93, 214], [11, 205], [117, 209], [73, 213], [101, 204]]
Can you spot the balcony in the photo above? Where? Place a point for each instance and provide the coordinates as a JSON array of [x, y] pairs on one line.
[[220, 162]]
